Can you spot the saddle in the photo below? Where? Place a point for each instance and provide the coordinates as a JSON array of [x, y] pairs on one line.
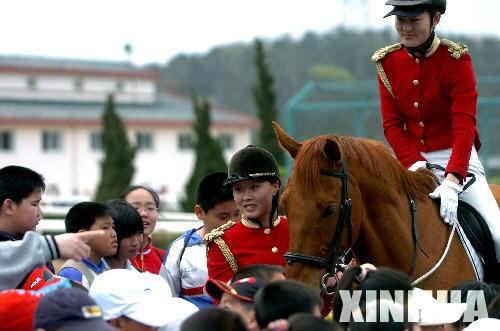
[[478, 233]]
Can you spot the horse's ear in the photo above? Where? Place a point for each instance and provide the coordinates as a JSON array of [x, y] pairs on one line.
[[332, 150], [287, 142]]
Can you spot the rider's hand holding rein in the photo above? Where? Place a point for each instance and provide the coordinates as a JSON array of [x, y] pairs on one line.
[[448, 191]]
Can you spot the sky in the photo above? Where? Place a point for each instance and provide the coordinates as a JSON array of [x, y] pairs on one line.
[[158, 30]]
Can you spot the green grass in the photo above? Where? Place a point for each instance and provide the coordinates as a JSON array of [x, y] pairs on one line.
[[494, 180]]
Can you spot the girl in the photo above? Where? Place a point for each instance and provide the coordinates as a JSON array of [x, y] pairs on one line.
[[428, 103], [129, 231], [146, 202], [260, 236]]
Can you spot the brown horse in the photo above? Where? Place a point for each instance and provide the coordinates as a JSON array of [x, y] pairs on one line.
[[358, 183]]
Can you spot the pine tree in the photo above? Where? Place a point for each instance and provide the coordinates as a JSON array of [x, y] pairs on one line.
[[265, 100], [208, 152], [117, 166]]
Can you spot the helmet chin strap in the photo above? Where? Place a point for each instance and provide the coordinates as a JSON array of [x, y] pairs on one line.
[[421, 50]]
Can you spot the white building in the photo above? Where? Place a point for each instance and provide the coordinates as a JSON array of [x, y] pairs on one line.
[[50, 112]]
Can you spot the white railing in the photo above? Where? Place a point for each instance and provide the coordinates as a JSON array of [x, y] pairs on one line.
[[169, 221]]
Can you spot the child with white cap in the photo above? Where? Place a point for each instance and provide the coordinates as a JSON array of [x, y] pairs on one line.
[[133, 301]]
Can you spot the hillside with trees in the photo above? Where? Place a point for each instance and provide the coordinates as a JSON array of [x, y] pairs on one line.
[[226, 74]]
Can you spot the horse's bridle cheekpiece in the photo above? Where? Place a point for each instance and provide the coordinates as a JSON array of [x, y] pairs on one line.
[[345, 220]]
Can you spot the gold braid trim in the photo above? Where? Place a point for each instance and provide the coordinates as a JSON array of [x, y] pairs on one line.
[[457, 50], [377, 57], [381, 53], [227, 254], [384, 79], [216, 236]]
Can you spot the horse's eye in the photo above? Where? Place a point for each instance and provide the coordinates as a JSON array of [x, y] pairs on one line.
[[328, 211]]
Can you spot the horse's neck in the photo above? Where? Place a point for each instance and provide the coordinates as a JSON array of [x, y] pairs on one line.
[[384, 224]]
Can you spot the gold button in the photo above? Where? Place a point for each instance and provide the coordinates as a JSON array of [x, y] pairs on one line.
[[417, 61], [422, 141], [267, 230], [415, 104], [416, 82], [420, 124], [274, 249]]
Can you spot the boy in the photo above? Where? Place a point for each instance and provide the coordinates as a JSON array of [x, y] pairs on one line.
[[186, 260], [237, 297], [86, 216], [20, 194]]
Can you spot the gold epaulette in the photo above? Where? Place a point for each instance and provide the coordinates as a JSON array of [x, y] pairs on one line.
[[218, 232], [381, 53], [457, 50], [216, 236]]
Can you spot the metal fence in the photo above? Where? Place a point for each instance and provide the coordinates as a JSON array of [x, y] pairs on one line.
[[169, 221], [352, 108]]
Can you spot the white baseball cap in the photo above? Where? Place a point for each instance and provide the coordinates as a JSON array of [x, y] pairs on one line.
[[429, 311], [142, 297], [484, 324]]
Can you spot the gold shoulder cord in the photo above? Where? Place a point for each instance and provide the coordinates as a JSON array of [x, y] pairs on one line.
[[216, 236], [377, 58], [384, 79], [457, 50]]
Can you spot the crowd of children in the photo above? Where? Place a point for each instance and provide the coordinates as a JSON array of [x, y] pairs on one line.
[[228, 274]]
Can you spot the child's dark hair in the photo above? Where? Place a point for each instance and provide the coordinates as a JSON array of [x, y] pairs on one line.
[[132, 188], [380, 279], [17, 183], [127, 220], [281, 299], [307, 321], [263, 271], [489, 291], [214, 319], [211, 191], [83, 215]]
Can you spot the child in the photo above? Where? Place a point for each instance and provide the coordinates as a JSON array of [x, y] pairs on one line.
[[20, 195], [86, 216], [260, 236], [186, 260], [146, 202], [129, 231]]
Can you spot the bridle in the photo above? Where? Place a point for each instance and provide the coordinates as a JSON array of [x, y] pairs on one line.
[[344, 220]]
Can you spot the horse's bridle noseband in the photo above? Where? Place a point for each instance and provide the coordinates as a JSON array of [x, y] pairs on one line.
[[345, 219]]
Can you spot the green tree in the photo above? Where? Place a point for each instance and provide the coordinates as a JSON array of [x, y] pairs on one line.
[[208, 152], [265, 100], [117, 167]]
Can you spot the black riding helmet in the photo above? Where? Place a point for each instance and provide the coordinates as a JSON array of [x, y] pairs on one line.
[[253, 162], [413, 8]]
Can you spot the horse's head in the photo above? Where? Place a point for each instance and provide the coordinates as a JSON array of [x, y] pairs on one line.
[[317, 204]]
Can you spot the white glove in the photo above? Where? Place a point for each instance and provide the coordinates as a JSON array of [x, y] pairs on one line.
[[448, 192], [418, 165]]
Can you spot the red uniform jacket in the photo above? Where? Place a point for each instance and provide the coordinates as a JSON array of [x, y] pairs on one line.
[[249, 245], [433, 105], [150, 259]]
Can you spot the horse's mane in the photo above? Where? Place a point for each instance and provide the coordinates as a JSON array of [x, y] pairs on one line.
[[372, 155]]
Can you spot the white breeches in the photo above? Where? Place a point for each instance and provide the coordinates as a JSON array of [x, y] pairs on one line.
[[477, 195]]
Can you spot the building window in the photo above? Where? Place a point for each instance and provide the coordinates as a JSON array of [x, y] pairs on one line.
[[96, 141], [144, 140], [51, 140], [226, 141], [6, 143], [185, 141], [32, 83], [119, 86], [78, 84]]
